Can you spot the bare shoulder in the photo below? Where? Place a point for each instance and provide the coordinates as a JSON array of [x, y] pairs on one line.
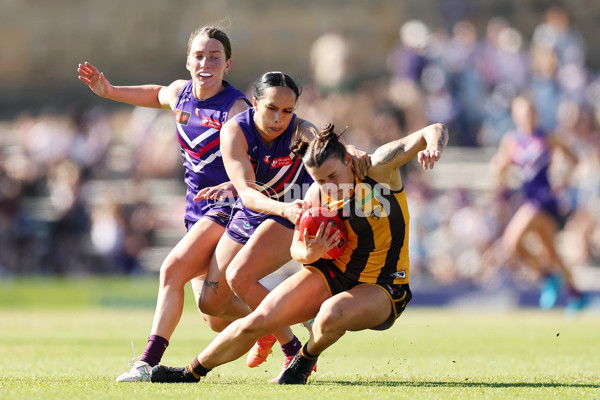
[[382, 174], [240, 105], [230, 128], [168, 94], [304, 128]]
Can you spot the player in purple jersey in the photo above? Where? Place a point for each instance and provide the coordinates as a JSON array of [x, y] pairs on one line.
[[201, 106], [264, 170], [530, 150]]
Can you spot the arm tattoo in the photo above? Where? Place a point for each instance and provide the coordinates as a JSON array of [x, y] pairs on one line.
[[214, 285], [388, 153], [442, 139]]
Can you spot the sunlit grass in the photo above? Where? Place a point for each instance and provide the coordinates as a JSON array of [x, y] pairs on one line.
[[56, 348]]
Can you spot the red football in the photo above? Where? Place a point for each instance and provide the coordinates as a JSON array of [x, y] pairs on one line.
[[312, 218]]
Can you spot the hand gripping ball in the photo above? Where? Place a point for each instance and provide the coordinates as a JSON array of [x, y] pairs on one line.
[[312, 218]]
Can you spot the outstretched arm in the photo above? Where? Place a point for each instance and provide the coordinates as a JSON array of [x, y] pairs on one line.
[[153, 96], [426, 144]]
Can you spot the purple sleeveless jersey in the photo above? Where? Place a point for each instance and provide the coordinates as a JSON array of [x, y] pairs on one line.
[[531, 154], [280, 175], [198, 126]]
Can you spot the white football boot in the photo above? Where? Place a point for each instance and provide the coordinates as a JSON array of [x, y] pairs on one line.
[[139, 372]]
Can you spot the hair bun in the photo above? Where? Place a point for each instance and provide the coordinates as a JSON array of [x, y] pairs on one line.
[[328, 133]]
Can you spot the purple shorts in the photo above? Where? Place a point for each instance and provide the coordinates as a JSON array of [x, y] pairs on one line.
[[219, 213], [244, 222]]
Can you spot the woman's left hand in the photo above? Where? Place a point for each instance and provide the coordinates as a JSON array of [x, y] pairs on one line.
[[223, 192], [427, 158], [293, 211], [361, 161]]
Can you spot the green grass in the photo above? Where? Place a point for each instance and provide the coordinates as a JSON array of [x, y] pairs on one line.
[[71, 338]]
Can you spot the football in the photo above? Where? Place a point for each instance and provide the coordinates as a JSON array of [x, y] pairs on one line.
[[313, 217]]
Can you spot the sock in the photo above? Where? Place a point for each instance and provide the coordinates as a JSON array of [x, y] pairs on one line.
[[196, 369], [304, 353], [154, 350], [292, 347]]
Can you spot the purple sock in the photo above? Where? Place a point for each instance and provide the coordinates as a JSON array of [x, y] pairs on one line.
[[154, 350], [292, 347]]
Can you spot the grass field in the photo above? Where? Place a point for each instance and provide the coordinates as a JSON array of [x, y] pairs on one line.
[[69, 340]]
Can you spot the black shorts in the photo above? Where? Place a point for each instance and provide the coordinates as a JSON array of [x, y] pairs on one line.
[[336, 282]]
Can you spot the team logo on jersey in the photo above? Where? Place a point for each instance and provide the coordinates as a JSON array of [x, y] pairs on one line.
[[182, 117], [281, 162], [376, 213], [267, 158], [210, 123]]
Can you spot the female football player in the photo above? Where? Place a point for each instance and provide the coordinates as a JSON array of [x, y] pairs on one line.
[[201, 105]]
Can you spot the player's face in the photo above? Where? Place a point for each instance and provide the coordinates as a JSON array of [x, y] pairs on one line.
[[207, 62], [334, 177], [523, 114], [274, 111]]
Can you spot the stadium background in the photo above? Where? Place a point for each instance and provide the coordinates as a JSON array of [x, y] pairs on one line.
[[79, 195]]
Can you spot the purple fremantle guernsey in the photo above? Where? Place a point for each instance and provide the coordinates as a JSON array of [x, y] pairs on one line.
[[279, 173], [532, 156], [198, 127]]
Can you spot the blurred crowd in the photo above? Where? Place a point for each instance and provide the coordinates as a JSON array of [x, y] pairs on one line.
[[74, 188]]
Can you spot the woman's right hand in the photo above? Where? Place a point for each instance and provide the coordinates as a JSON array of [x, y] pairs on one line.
[[95, 79]]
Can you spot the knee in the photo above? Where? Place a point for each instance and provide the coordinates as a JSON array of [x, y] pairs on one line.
[[171, 272], [329, 318], [209, 306], [215, 323], [255, 325], [238, 280]]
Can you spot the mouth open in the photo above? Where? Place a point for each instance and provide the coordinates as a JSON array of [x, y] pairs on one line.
[[205, 74]]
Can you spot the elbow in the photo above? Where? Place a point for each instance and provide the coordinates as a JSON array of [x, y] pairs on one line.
[[443, 129], [442, 134]]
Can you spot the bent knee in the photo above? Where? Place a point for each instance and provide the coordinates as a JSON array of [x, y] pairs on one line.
[[238, 281], [215, 323], [255, 325], [170, 274], [175, 271], [210, 307], [330, 317]]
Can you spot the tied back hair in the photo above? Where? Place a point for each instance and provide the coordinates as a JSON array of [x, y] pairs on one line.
[[274, 79], [326, 144], [216, 31]]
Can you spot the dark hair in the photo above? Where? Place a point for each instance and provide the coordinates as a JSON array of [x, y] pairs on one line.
[[325, 145], [274, 79], [212, 32]]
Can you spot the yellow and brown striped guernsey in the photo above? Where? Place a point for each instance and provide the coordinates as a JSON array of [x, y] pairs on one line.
[[376, 220]]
